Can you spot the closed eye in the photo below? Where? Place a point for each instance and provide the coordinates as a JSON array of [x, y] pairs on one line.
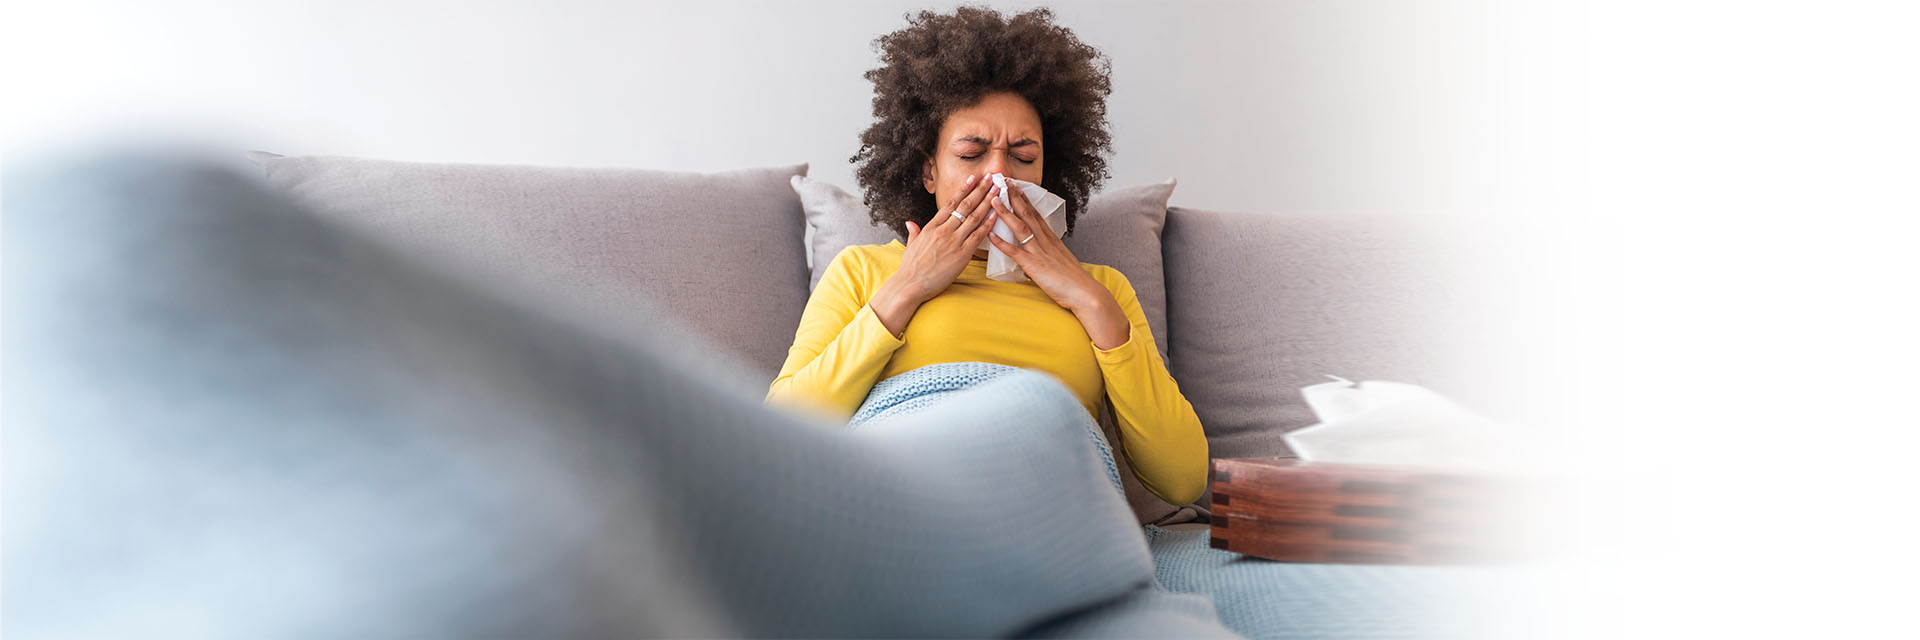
[[977, 156]]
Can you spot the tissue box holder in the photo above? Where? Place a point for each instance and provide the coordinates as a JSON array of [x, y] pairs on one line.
[[1298, 511]]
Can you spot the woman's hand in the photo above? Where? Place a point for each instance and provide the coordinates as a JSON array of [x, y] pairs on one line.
[[938, 253], [1046, 258]]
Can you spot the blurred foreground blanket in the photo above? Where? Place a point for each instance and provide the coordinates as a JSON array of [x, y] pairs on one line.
[[226, 417]]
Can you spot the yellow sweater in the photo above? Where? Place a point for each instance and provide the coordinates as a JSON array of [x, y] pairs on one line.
[[841, 350]]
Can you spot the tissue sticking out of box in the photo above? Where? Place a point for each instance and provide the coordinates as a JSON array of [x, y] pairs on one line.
[[1391, 423]]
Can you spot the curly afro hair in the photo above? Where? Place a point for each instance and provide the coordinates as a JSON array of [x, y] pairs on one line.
[[941, 63]]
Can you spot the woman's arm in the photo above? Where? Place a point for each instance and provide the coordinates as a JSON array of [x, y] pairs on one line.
[[894, 306], [844, 341], [1164, 440], [1106, 324]]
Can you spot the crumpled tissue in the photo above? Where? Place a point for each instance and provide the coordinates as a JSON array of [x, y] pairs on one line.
[[1052, 209], [1391, 423]]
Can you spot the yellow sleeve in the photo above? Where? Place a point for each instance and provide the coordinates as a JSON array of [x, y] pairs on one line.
[[1162, 435], [840, 348]]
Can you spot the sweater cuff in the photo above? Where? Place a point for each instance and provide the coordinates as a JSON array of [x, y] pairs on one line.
[[868, 323], [1118, 354]]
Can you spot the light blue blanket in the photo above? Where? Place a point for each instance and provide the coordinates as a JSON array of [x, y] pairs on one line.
[[1253, 597], [921, 388]]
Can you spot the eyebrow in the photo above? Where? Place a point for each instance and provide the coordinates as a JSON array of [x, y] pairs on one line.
[[1023, 142]]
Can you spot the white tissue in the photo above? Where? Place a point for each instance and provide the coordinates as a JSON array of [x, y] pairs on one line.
[[1052, 209], [1391, 423]]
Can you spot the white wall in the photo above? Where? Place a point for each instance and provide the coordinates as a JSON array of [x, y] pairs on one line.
[[1356, 105], [1416, 107]]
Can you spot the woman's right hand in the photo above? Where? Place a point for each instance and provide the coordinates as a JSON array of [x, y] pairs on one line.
[[937, 254]]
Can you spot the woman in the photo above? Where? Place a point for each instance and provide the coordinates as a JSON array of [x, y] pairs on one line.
[[960, 97]]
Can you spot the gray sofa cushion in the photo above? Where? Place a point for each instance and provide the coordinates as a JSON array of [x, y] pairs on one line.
[[721, 253], [1263, 304], [837, 220], [1120, 229]]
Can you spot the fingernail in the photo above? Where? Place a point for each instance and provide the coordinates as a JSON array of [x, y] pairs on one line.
[[971, 179]]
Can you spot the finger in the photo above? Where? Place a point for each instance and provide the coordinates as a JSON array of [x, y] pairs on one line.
[[913, 231], [936, 221], [961, 209], [983, 231], [980, 211], [985, 206], [1023, 209], [1020, 227], [1020, 198], [955, 200], [982, 187], [1006, 246], [972, 184], [1028, 213]]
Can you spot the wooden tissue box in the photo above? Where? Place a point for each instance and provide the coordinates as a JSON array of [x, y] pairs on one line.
[[1297, 511]]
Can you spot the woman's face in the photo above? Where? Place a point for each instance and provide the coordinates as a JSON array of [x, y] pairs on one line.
[[998, 134]]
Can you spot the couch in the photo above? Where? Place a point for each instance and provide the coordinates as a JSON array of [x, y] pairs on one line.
[[432, 400], [1246, 307]]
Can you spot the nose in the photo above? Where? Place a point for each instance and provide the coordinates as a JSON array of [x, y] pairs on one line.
[[996, 162]]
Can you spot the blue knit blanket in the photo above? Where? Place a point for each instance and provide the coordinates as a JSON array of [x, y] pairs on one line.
[[1251, 596], [921, 388]]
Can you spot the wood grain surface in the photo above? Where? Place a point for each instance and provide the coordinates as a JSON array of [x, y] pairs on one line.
[[1296, 511]]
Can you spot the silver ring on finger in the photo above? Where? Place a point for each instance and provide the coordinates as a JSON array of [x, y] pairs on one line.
[[1029, 237]]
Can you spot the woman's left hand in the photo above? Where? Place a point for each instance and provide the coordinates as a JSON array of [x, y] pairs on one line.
[[1045, 258]]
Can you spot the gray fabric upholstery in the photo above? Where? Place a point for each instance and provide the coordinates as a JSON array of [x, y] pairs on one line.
[[838, 220], [704, 247], [1120, 229], [1264, 304]]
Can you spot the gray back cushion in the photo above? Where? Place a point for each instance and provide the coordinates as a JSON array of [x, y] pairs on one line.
[[1264, 304], [720, 253], [1120, 229], [838, 220]]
